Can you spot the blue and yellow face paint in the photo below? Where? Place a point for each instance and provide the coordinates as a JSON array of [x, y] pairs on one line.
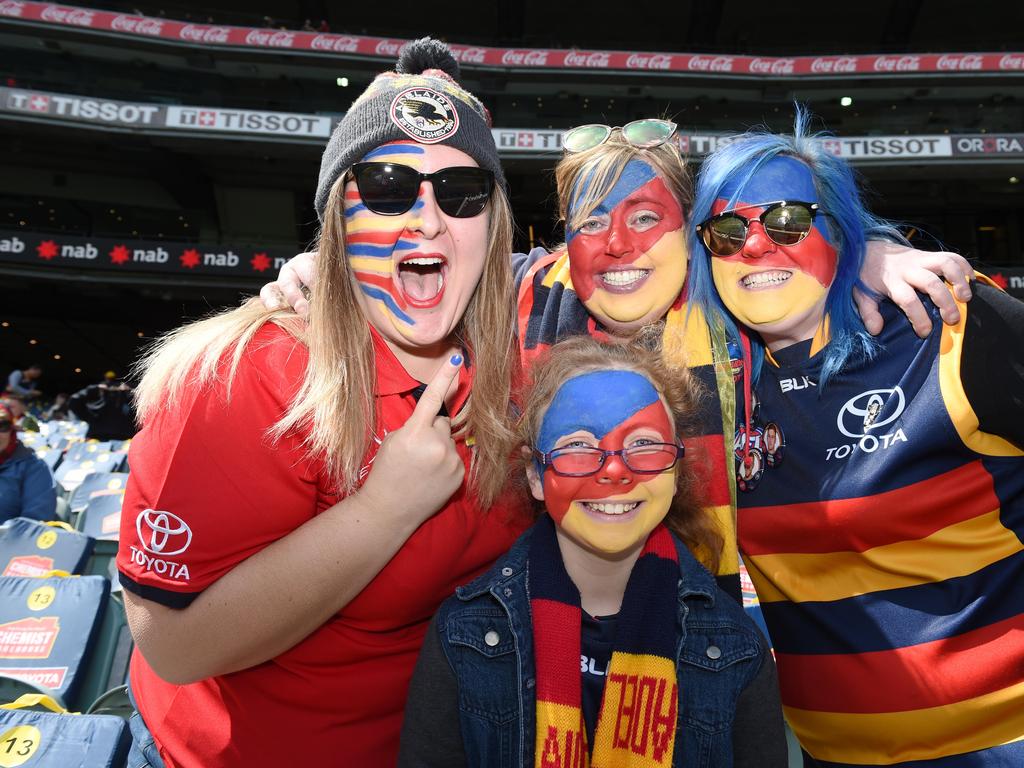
[[615, 509]]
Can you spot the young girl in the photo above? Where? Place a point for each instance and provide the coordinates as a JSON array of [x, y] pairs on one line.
[[600, 638]]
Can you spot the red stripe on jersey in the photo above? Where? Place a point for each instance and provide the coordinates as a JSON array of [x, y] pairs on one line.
[[931, 674], [858, 524]]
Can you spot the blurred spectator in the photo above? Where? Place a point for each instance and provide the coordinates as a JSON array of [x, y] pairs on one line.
[[324, 26], [23, 420], [307, 25], [21, 382], [26, 484], [59, 411], [107, 407]]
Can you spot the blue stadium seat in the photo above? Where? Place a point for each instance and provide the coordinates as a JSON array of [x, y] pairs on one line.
[[31, 548], [39, 733], [89, 450], [101, 519], [95, 483], [71, 473], [47, 626], [50, 456]]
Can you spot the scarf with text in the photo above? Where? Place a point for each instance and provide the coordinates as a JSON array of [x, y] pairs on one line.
[[636, 726]]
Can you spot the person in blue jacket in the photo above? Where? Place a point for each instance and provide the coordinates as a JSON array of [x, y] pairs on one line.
[[601, 638], [26, 483]]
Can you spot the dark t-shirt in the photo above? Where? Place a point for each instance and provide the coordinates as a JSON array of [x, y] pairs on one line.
[[597, 637]]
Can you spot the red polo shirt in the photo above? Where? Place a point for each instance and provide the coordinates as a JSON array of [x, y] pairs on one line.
[[207, 490]]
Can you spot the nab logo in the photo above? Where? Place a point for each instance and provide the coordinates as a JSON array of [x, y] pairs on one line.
[[860, 414], [162, 533], [788, 385]]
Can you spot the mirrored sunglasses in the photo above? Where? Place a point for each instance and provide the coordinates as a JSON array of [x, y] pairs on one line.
[[642, 134], [786, 222]]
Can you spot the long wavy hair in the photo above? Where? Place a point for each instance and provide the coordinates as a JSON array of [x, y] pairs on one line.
[[848, 222], [691, 522], [334, 405]]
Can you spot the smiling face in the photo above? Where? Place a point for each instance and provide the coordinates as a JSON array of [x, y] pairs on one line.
[[627, 258], [777, 290], [416, 271], [614, 510]]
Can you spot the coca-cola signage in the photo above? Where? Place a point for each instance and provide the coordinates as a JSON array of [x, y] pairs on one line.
[[701, 65]]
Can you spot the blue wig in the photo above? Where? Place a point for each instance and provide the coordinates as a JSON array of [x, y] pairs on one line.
[[849, 227]]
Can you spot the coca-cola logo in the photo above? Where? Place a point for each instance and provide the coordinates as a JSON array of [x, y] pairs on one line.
[[822, 65], [952, 62], [197, 34], [336, 43], [270, 38], [579, 59], [652, 61], [470, 55], [772, 66], [137, 25], [11, 8], [76, 16], [897, 63], [1011, 61], [519, 58], [388, 48], [710, 63]]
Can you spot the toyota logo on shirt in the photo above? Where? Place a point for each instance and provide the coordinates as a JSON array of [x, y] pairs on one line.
[[162, 533], [861, 414]]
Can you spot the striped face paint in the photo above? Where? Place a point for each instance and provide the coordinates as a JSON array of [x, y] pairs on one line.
[[417, 271], [627, 259], [777, 290], [615, 509]]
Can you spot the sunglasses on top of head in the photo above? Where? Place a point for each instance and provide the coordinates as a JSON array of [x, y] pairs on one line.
[[786, 222], [642, 134], [392, 189]]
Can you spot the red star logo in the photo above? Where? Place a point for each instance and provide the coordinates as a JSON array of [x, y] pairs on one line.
[[119, 254], [260, 262], [190, 258], [999, 279], [47, 249]]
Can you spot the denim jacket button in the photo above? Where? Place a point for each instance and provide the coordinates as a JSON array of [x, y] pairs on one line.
[[506, 571], [492, 638], [714, 652], [507, 592]]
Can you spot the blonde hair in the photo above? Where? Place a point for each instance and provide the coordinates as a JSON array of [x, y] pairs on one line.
[[584, 179], [693, 524], [334, 403]]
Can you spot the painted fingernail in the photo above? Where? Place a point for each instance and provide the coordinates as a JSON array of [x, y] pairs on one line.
[[456, 359]]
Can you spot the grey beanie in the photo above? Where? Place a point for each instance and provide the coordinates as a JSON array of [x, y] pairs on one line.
[[421, 100]]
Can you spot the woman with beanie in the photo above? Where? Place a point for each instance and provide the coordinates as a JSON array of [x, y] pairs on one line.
[[303, 497]]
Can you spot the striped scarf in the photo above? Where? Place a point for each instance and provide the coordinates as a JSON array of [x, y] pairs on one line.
[[549, 310], [636, 726]]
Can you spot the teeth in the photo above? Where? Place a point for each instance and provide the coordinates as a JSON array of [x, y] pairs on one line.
[[606, 508], [424, 261], [765, 278], [625, 276]]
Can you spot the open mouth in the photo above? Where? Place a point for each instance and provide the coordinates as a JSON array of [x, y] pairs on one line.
[[758, 280], [613, 509], [421, 277], [623, 280]]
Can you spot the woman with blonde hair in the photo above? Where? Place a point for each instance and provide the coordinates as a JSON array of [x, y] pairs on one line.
[[300, 501]]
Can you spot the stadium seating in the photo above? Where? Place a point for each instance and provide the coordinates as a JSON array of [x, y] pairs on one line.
[[71, 473], [94, 484], [38, 732], [31, 548]]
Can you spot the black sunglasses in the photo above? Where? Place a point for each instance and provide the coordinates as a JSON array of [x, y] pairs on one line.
[[5, 426], [391, 189], [786, 222]]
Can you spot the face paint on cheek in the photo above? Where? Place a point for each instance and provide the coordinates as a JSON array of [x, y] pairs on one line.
[[624, 506], [374, 243]]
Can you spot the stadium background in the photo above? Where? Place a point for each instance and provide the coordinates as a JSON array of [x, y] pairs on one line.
[[159, 159]]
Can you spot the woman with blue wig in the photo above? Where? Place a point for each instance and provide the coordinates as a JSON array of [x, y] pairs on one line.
[[881, 510]]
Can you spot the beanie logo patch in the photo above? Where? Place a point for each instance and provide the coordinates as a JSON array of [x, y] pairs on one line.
[[425, 115]]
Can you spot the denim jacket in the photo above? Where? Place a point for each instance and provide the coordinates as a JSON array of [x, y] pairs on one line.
[[486, 635]]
